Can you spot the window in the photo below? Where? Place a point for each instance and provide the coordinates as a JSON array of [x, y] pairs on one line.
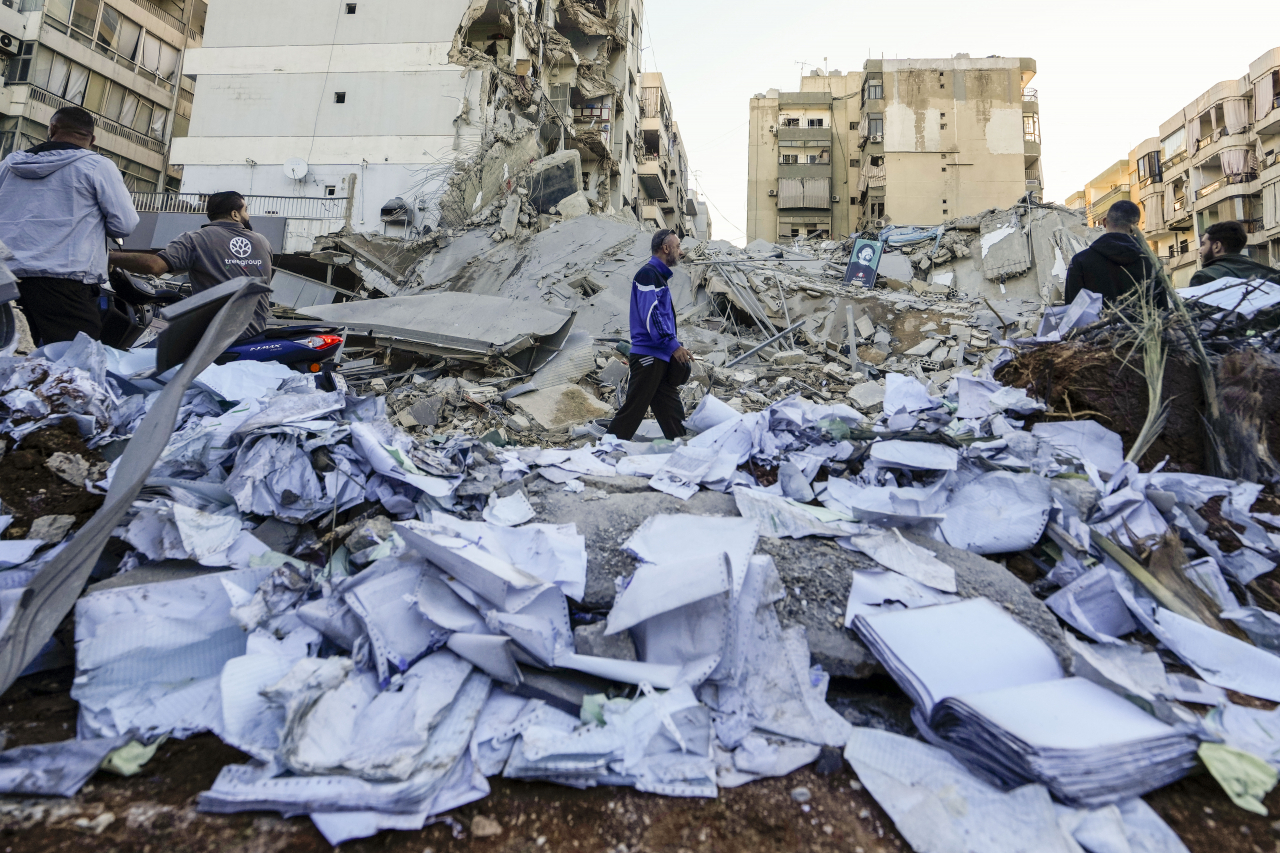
[[815, 122], [791, 122], [795, 232], [84, 15], [944, 211], [875, 90], [854, 164], [877, 161], [943, 115], [118, 33], [875, 124], [1149, 168], [1031, 128], [330, 190], [790, 159], [351, 8], [339, 97], [944, 168], [1173, 144]]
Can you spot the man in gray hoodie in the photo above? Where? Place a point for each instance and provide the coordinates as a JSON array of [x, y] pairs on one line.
[[59, 202]]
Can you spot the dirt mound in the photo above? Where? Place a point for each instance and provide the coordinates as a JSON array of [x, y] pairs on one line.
[[29, 489], [1081, 381]]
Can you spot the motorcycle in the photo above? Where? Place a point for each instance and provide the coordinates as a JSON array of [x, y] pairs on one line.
[[131, 307]]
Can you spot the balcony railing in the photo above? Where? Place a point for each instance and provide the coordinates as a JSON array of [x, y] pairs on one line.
[[290, 207], [1225, 180], [1030, 95], [1252, 226], [113, 127]]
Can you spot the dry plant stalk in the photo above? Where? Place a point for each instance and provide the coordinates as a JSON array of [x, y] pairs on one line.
[[1213, 417], [1149, 330]]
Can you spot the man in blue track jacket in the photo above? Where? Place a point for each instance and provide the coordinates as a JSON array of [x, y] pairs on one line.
[[659, 364]]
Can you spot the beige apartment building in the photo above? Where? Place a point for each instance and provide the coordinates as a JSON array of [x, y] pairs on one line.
[[903, 142], [1213, 160], [122, 60]]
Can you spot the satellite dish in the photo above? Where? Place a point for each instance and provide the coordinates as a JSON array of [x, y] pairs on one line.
[[296, 168]]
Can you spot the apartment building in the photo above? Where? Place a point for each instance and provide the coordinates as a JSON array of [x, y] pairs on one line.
[[1103, 191], [358, 113], [904, 141], [120, 59], [1212, 161], [662, 171]]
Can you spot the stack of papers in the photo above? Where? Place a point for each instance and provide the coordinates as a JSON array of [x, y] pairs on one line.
[[993, 694]]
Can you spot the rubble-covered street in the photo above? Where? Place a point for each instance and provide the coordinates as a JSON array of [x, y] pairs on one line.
[[921, 545]]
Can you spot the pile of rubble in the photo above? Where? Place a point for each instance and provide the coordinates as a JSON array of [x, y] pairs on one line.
[[449, 548]]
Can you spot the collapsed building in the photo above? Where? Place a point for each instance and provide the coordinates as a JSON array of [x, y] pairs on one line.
[[380, 121]]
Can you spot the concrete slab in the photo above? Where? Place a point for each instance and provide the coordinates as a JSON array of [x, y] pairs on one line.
[[867, 395], [560, 405], [574, 206]]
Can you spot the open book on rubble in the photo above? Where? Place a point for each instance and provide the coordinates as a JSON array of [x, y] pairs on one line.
[[994, 695]]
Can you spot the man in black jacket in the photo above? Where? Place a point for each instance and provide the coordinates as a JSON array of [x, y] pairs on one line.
[[1223, 255], [1115, 263]]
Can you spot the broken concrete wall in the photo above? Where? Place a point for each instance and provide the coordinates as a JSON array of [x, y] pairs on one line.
[[476, 185], [549, 267]]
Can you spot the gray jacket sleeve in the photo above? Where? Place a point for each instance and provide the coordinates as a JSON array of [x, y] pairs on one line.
[[114, 200]]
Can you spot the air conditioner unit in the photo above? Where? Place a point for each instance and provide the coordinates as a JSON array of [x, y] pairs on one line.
[[9, 44], [772, 193], [773, 128], [877, 138], [878, 223], [835, 198]]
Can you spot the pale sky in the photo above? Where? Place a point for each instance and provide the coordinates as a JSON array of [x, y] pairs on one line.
[[1108, 73]]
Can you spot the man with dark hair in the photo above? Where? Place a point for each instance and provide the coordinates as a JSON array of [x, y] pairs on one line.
[[1223, 255], [59, 202], [659, 363], [1115, 263], [225, 249]]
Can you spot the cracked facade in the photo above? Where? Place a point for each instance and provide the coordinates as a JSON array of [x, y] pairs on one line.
[[1216, 159], [399, 111], [904, 141]]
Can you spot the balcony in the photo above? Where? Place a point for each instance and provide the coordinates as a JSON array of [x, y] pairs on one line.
[[804, 134], [1270, 123], [652, 175], [1030, 96], [1225, 180], [1103, 203], [289, 207], [49, 99]]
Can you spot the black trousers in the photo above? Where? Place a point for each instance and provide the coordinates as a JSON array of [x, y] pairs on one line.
[[57, 308], [651, 385]]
